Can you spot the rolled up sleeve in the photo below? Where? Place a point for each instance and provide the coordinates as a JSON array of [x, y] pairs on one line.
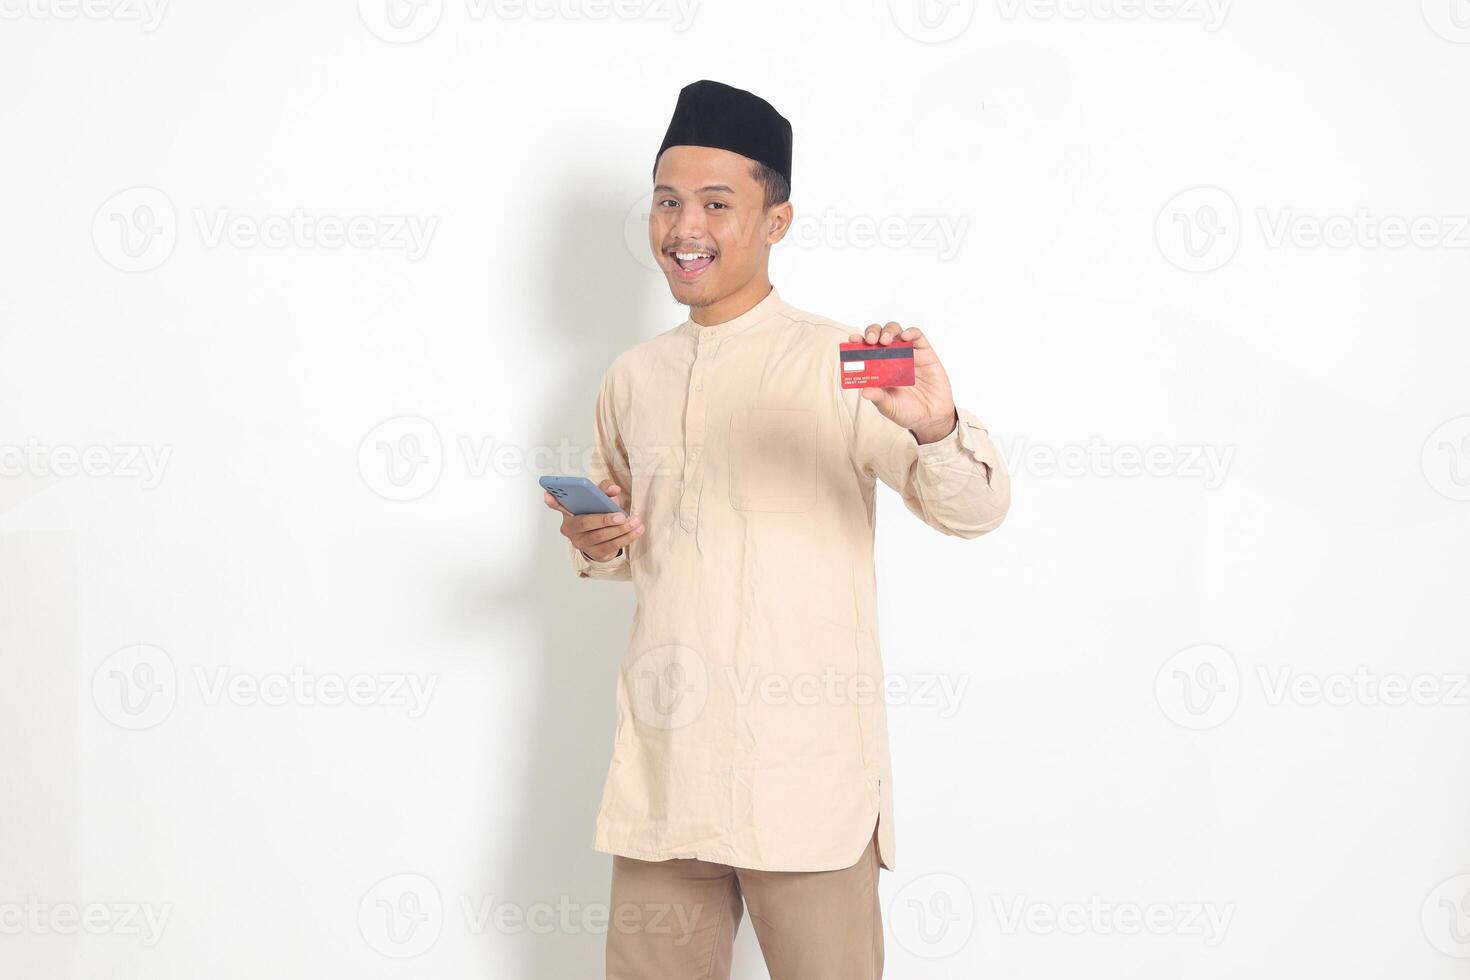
[[958, 485], [615, 567]]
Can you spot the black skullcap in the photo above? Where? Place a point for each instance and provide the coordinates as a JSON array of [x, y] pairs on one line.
[[727, 118]]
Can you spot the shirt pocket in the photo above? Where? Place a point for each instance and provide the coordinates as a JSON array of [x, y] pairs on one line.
[[773, 459]]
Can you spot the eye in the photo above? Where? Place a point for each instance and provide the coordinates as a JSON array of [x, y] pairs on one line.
[[718, 204], [667, 202]]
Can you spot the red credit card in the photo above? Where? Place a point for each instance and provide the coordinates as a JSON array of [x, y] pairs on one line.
[[877, 365]]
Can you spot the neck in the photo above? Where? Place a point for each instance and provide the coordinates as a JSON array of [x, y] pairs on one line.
[[738, 302]]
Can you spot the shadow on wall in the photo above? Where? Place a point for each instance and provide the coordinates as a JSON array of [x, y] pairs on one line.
[[596, 302], [609, 301]]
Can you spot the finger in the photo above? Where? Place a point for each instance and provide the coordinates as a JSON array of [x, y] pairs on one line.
[[612, 546], [592, 522], [890, 331], [870, 335], [607, 535], [553, 503], [610, 488], [855, 338], [915, 336], [629, 536]]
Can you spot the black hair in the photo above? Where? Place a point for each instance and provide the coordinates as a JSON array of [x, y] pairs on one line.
[[778, 190]]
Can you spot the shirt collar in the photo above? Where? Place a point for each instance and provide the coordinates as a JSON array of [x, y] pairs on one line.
[[716, 331]]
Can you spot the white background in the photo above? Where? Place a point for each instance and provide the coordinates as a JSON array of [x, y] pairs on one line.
[[344, 442]]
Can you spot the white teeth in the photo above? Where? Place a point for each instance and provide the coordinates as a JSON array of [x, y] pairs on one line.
[[691, 256]]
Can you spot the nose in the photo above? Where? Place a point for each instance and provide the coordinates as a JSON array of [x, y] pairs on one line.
[[688, 224]]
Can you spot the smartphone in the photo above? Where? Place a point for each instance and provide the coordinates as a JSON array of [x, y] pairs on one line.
[[579, 495]]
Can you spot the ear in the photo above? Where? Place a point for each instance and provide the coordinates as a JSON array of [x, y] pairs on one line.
[[778, 222]]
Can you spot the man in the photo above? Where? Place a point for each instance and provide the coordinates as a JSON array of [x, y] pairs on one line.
[[750, 761]]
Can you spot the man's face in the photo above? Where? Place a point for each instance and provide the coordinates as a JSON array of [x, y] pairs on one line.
[[708, 227]]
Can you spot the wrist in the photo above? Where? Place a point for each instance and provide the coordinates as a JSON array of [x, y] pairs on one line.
[[935, 432]]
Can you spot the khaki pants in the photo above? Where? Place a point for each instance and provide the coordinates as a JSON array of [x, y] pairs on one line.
[[676, 920]]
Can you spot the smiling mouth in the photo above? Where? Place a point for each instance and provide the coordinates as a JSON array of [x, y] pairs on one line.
[[691, 264]]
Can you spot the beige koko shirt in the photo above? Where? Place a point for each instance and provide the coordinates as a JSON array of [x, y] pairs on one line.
[[751, 728]]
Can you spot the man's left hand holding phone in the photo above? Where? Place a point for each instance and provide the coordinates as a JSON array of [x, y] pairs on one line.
[[599, 534]]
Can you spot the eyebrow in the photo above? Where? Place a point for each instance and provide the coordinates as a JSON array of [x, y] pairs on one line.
[[707, 189]]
